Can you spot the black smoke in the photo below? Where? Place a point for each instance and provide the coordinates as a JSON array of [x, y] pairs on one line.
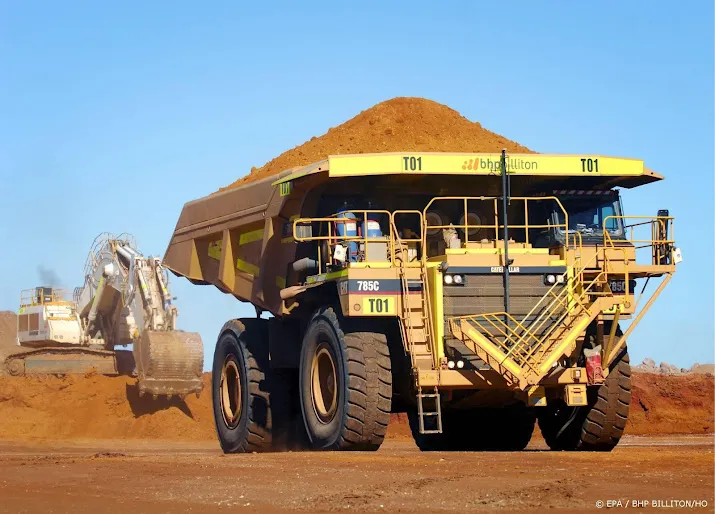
[[48, 277]]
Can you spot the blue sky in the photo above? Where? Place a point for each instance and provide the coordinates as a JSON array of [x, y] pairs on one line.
[[113, 115]]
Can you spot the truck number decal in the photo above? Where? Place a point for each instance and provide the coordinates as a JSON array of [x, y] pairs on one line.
[[589, 165], [368, 285], [412, 164], [383, 306]]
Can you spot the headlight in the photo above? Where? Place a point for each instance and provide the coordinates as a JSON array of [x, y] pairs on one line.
[[454, 279], [550, 280]]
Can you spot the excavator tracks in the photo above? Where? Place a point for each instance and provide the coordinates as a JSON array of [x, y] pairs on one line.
[[69, 360]]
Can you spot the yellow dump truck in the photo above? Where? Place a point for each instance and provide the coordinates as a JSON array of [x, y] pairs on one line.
[[479, 293]]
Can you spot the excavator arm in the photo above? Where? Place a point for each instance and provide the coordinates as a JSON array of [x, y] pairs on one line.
[[126, 300]]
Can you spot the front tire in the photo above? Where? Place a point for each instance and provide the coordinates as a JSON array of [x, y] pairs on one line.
[[345, 384], [248, 398], [597, 426]]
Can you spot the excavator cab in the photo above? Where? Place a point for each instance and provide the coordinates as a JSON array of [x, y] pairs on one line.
[[44, 295]]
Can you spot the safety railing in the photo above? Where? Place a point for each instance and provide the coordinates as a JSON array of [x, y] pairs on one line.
[[661, 241], [402, 241], [406, 325], [407, 239], [528, 342], [100, 242], [498, 225], [417, 241], [357, 247], [41, 296]]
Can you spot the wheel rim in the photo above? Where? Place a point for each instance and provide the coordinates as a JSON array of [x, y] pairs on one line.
[[324, 391], [231, 392]]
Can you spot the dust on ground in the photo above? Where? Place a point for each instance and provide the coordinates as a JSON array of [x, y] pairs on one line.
[[396, 125]]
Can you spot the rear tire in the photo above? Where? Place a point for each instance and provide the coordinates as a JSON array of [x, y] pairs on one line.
[[597, 426], [249, 399], [480, 429], [345, 384]]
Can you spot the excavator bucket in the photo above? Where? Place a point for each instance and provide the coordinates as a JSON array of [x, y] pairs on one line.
[[169, 363]]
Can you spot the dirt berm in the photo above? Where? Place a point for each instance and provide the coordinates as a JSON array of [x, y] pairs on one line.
[[8, 331]]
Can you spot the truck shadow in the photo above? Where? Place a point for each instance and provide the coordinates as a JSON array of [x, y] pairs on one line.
[[143, 405]]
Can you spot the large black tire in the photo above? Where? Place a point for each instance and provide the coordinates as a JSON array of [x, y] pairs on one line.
[[597, 426], [480, 429], [249, 400], [354, 413]]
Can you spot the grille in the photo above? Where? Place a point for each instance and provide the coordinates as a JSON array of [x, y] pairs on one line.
[[485, 293]]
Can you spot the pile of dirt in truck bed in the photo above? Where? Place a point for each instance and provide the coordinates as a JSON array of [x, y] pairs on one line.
[[396, 125], [99, 407]]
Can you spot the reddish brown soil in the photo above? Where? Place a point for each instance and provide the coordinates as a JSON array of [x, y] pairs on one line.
[[151, 477], [101, 407], [396, 125], [663, 404], [98, 407], [8, 330]]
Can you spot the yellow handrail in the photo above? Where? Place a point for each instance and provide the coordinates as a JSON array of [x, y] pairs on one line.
[[42, 295], [496, 226], [335, 239], [655, 242], [527, 338]]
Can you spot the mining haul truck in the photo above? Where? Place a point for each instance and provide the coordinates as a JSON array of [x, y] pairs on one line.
[[478, 293], [125, 300]]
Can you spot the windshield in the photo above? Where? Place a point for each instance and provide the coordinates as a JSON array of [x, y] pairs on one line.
[[587, 214]]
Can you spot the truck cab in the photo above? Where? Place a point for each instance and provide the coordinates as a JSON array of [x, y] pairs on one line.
[[590, 213]]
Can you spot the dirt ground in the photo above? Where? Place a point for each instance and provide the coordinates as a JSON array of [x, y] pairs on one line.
[[140, 476]]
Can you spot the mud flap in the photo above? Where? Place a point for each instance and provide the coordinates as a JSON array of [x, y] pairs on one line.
[[169, 363]]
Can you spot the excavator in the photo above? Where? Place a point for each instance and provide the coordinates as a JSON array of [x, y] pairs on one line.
[[125, 300]]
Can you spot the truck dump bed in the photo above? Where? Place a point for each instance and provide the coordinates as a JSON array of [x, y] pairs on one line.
[[220, 239]]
